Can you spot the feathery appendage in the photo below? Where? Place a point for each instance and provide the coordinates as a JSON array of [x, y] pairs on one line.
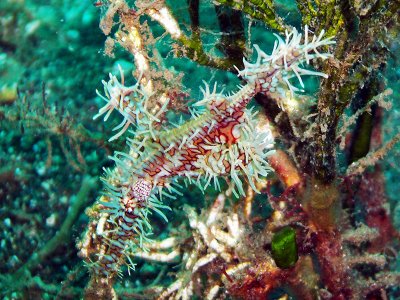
[[222, 139], [272, 73], [131, 102]]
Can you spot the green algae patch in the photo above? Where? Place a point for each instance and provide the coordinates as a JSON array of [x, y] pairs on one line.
[[284, 248], [8, 94]]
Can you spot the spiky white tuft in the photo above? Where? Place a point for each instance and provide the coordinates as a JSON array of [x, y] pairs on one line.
[[272, 73]]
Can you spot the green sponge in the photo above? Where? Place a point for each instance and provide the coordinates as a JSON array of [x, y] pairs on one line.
[[284, 248]]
